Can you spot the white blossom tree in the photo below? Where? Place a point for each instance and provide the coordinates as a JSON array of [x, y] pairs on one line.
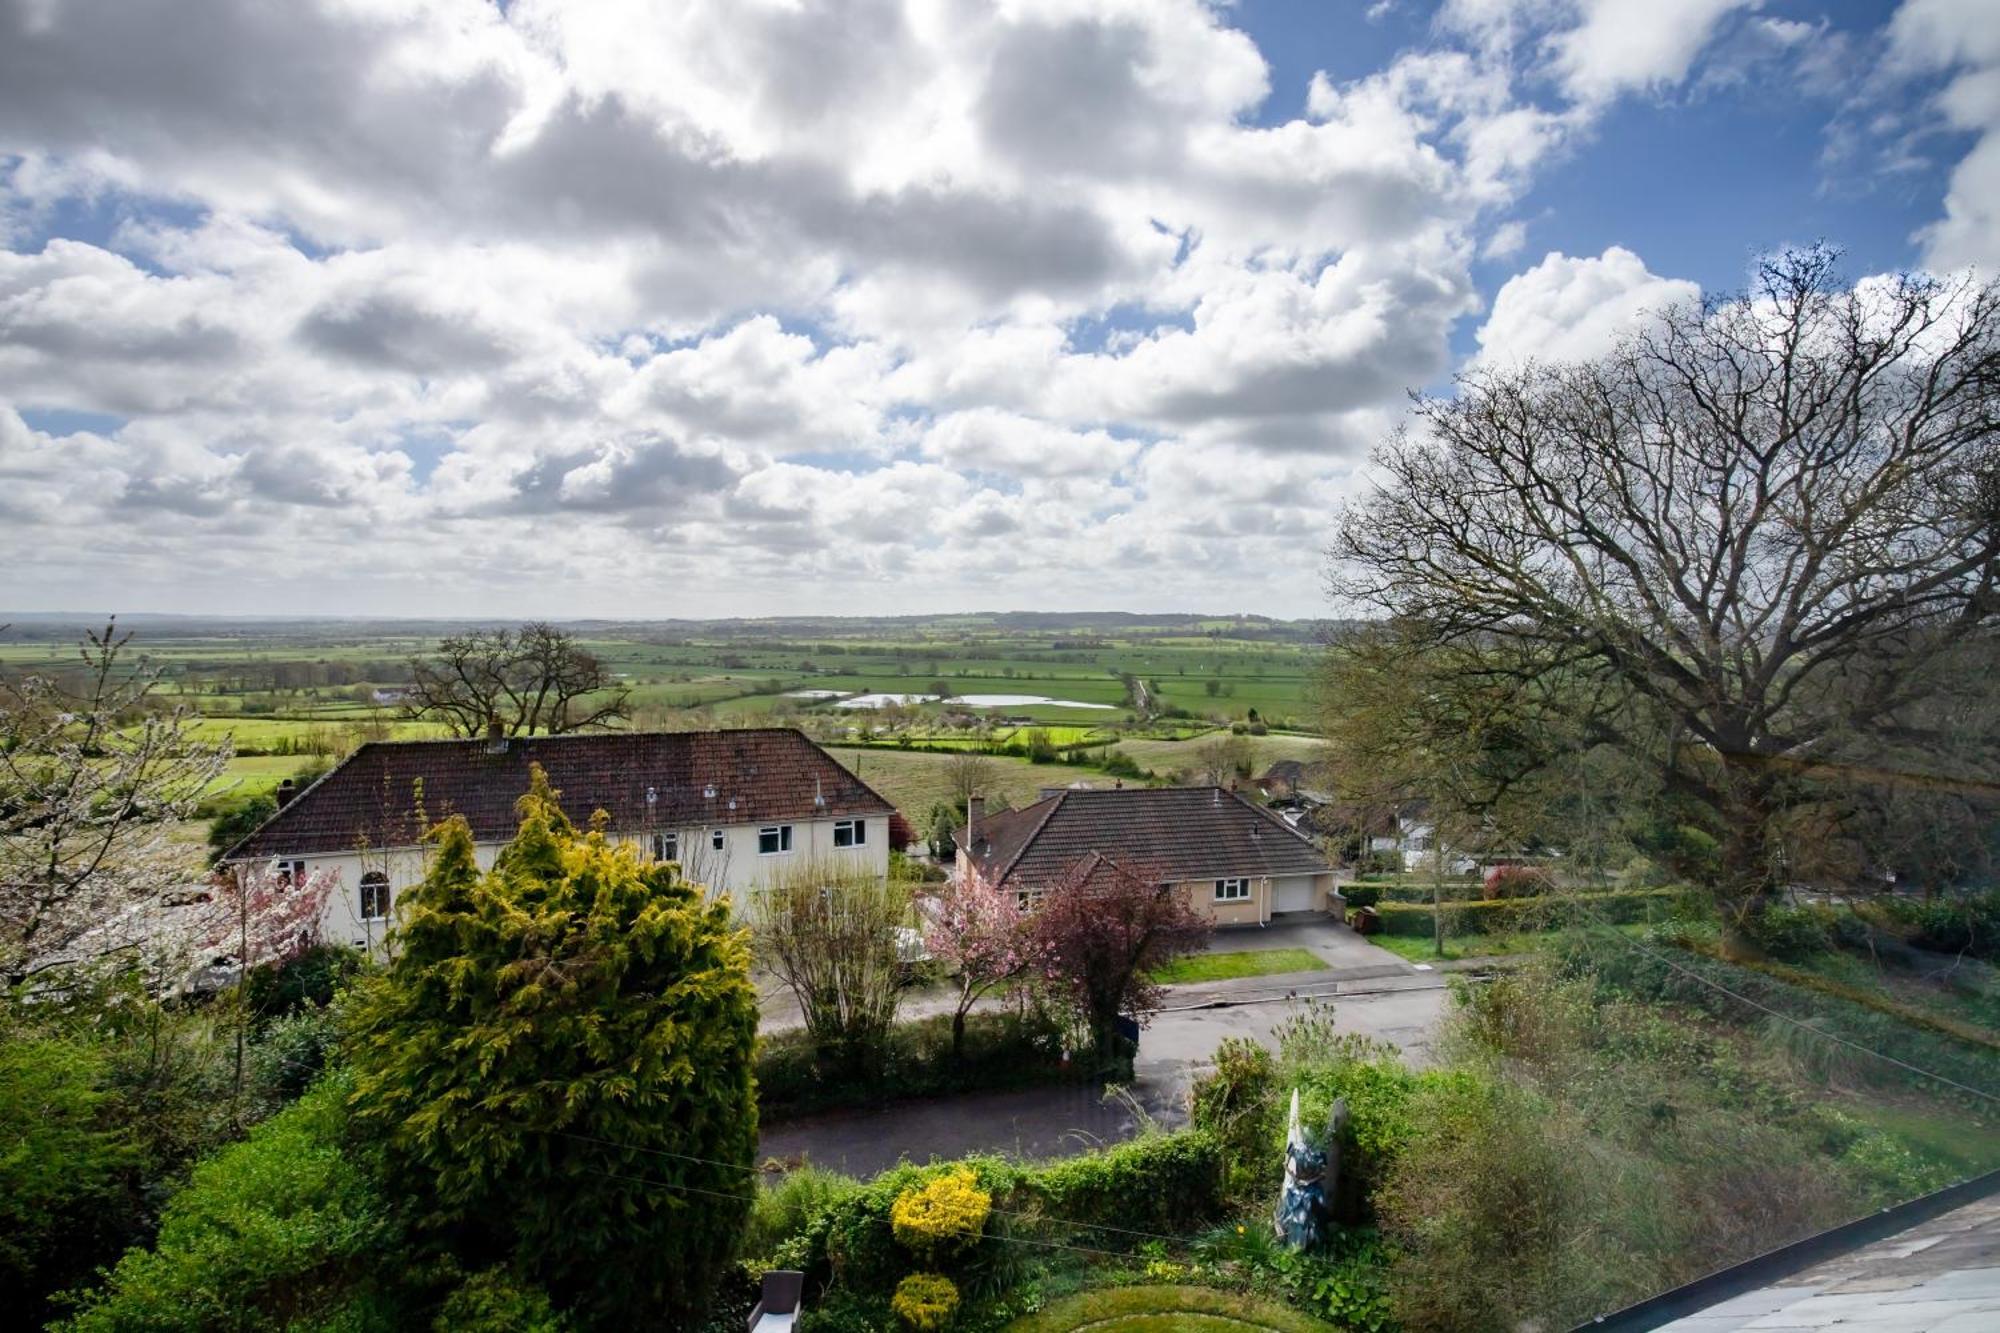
[[93, 771]]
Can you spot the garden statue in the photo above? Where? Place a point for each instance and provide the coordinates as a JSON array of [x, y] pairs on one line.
[[1311, 1173]]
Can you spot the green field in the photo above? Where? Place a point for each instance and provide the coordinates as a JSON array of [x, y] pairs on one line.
[[913, 781], [291, 694]]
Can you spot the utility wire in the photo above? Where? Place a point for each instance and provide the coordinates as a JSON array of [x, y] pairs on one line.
[[1801, 1024]]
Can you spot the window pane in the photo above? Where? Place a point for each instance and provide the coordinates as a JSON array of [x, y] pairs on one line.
[[860, 832]]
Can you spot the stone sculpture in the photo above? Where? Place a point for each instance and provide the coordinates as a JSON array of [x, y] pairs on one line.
[[1312, 1170]]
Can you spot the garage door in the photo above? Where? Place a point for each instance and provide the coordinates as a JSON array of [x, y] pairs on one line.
[[1294, 895]]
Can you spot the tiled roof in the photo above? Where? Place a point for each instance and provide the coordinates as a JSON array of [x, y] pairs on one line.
[[755, 775], [1178, 832]]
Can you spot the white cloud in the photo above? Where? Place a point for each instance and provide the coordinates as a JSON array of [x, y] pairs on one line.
[[1960, 38], [1635, 45], [740, 305], [1566, 308]]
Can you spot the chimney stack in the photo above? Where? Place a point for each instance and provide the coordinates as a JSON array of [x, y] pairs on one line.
[[286, 791], [975, 810], [496, 736]]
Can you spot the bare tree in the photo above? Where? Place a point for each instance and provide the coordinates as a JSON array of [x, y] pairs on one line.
[[969, 775], [830, 935], [1747, 532], [92, 773], [1222, 758], [534, 679]]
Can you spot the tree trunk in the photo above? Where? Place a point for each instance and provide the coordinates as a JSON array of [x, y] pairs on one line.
[[1748, 875], [958, 1035]]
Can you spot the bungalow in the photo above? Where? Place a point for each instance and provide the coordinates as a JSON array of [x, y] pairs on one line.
[[1239, 862], [734, 808]]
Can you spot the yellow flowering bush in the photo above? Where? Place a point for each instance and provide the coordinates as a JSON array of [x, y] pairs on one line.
[[925, 1301], [942, 1214]]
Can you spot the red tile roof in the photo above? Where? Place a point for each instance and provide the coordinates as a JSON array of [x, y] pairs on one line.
[[1181, 832], [755, 775]]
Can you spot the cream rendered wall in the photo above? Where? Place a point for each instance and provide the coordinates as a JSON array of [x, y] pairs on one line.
[[1251, 911], [735, 869]]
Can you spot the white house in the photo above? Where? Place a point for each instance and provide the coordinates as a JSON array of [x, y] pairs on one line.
[[734, 808]]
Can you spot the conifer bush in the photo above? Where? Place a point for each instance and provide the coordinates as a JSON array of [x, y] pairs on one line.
[[558, 1061]]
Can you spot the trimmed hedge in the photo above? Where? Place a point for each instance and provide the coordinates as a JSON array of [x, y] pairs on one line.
[[1507, 915], [1002, 1050], [1164, 1183], [1161, 1183]]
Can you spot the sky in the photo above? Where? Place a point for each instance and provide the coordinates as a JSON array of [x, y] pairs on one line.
[[639, 309]]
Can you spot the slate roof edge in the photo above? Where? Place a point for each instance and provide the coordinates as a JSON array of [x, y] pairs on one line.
[[234, 854]]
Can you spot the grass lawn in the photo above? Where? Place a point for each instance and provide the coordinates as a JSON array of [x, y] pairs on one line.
[[1163, 1309], [1247, 963]]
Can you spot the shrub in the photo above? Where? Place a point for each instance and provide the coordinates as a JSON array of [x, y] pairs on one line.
[[1361, 895], [1508, 915], [288, 1056], [784, 1207], [1234, 1103], [498, 1301], [62, 1167], [1161, 1183], [597, 1011], [1515, 882], [269, 1233], [1967, 924], [234, 819], [942, 1216], [925, 1301], [1791, 933], [308, 978]]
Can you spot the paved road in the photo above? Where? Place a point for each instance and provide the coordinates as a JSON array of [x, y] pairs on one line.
[[1373, 992]]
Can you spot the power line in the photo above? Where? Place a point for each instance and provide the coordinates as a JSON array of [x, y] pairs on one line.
[[1801, 1024]]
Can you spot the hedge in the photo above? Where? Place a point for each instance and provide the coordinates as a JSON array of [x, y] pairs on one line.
[[1161, 1183], [1166, 1183], [1507, 915], [1002, 1050]]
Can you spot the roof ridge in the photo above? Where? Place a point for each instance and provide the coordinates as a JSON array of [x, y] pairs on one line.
[[1054, 803], [1270, 818]]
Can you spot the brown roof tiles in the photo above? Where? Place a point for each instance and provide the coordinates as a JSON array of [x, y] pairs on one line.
[[1181, 832], [697, 778]]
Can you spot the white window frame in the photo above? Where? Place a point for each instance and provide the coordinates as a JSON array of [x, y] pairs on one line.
[[377, 880], [716, 839], [855, 829], [1232, 890], [782, 833], [666, 846], [1027, 900]]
